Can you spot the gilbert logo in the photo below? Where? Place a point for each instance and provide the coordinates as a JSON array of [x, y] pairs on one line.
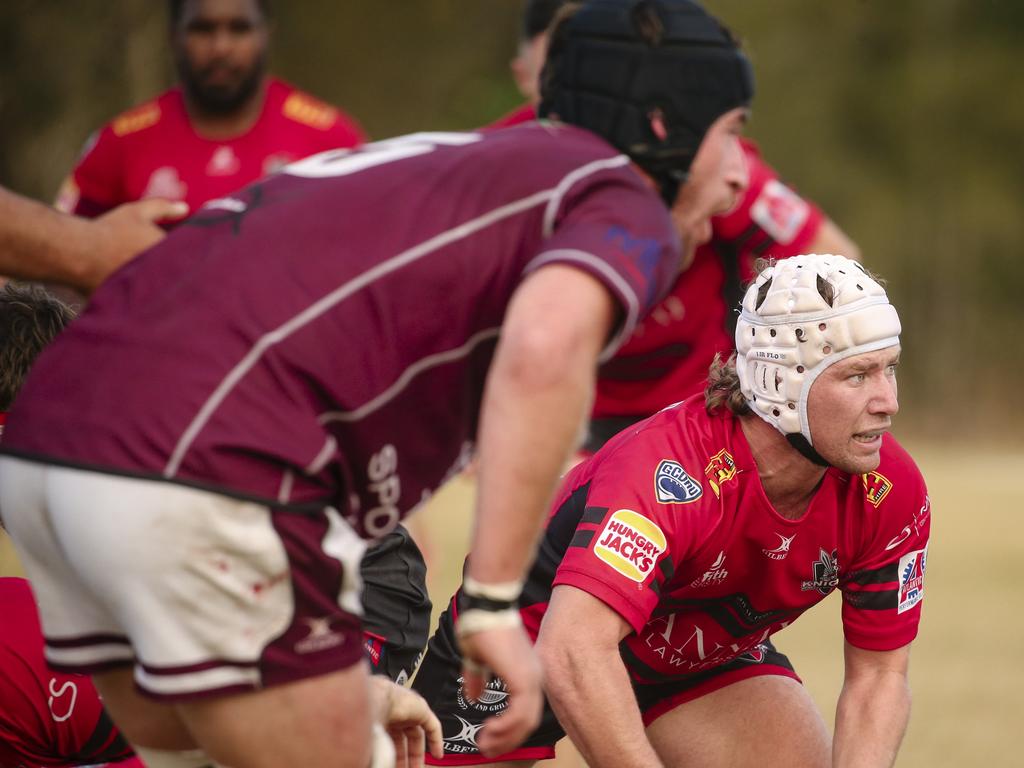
[[320, 637], [631, 544], [781, 552]]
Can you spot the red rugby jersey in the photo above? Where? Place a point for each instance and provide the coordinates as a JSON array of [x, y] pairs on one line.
[[152, 150], [668, 524], [668, 356], [47, 718]]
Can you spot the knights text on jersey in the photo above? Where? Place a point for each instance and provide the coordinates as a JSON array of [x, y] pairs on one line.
[[153, 151], [326, 333], [47, 718], [670, 527], [668, 356]]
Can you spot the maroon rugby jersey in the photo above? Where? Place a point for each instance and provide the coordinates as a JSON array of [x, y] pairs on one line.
[[324, 335], [668, 525], [47, 718]]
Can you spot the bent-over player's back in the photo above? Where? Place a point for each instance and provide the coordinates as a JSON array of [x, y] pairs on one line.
[[298, 320]]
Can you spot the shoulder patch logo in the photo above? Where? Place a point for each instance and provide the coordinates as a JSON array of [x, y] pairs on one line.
[[876, 487], [309, 111], [720, 470], [673, 486], [134, 120], [631, 544], [780, 211], [911, 572]]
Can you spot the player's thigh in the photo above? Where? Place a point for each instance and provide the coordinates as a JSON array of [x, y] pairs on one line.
[[768, 719], [322, 721]]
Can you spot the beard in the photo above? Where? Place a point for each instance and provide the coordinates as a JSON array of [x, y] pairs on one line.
[[223, 98]]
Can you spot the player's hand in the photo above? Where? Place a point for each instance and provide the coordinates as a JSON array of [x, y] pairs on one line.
[[409, 721], [125, 232], [505, 652]]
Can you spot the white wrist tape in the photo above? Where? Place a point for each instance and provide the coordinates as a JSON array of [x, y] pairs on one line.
[[477, 620], [506, 591]]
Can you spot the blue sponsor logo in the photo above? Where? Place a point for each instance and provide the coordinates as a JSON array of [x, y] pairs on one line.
[[672, 485]]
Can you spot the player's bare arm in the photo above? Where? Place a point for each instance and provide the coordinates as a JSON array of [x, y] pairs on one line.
[[831, 239], [873, 709], [587, 683], [538, 393], [38, 243]]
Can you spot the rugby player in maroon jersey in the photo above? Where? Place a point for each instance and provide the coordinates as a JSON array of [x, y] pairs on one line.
[[674, 554], [299, 365]]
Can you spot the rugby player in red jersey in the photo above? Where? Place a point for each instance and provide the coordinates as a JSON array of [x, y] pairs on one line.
[[674, 554], [266, 422], [227, 124]]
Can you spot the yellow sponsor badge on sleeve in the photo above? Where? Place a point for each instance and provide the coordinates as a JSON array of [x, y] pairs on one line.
[[631, 544]]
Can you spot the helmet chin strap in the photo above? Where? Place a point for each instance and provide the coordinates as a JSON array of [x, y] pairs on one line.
[[806, 450]]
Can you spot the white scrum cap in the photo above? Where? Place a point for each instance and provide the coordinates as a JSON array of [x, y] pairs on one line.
[[789, 332]]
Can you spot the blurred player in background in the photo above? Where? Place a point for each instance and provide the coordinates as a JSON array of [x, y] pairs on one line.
[[674, 554], [266, 422], [227, 124]]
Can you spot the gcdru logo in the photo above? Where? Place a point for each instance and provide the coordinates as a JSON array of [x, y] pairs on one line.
[[631, 544], [673, 486]]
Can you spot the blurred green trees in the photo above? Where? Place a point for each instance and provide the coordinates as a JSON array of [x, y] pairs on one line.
[[903, 120]]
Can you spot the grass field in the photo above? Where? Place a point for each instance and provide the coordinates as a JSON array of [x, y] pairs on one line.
[[967, 670]]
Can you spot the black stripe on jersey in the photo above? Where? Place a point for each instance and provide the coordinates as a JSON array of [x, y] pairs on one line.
[[582, 538], [667, 568], [885, 600], [887, 574], [105, 745], [733, 613], [592, 515], [558, 537], [761, 248]]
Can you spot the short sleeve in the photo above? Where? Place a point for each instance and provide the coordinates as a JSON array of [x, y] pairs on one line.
[[614, 227], [627, 544], [883, 587]]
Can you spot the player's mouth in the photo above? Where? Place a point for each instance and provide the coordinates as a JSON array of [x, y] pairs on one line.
[[870, 439]]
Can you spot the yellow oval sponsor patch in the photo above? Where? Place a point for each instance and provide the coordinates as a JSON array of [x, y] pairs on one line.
[[631, 544]]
